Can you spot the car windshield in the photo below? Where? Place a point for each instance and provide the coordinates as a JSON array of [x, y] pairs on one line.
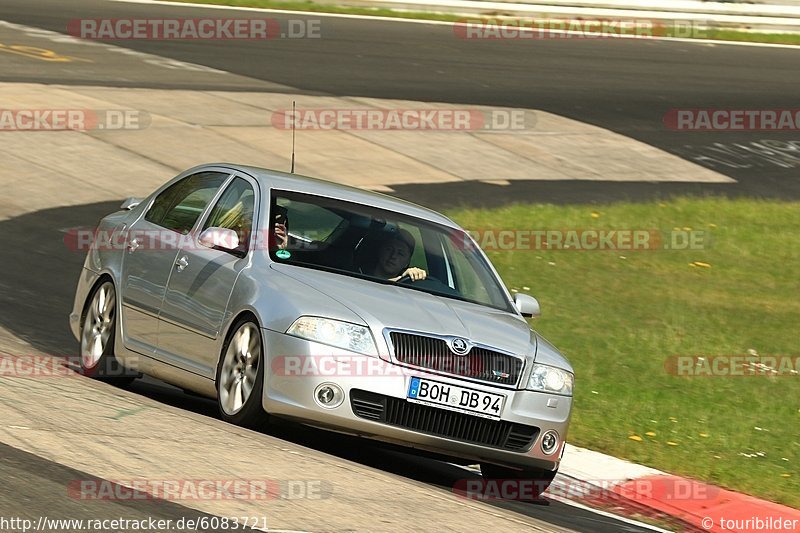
[[378, 245]]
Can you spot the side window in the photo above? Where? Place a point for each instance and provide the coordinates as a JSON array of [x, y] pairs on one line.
[[308, 222], [180, 205], [234, 210]]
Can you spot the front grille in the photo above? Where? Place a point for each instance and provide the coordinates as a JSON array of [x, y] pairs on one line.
[[441, 422], [434, 354]]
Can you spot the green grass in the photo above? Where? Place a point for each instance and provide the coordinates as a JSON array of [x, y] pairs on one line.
[[618, 320], [753, 37], [719, 34]]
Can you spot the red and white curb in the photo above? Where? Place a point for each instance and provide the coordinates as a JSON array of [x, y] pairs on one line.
[[621, 487]]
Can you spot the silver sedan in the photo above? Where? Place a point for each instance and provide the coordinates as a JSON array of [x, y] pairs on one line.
[[286, 296]]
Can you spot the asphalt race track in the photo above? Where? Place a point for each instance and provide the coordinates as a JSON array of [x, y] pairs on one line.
[[626, 87], [35, 488]]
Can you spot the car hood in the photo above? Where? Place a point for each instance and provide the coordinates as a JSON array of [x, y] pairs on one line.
[[547, 354], [391, 306]]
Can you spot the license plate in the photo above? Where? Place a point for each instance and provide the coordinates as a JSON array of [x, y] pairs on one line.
[[455, 398]]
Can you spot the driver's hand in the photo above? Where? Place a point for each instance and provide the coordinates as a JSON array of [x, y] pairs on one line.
[[416, 274]]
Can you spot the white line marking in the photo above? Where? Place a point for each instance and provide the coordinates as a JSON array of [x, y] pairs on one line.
[[706, 42]]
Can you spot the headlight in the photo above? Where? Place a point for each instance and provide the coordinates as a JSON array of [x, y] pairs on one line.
[[551, 379], [334, 333]]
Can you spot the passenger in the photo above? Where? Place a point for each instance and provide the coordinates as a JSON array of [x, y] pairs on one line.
[[281, 227]]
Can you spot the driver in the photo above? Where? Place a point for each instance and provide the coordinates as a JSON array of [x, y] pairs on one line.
[[394, 256]]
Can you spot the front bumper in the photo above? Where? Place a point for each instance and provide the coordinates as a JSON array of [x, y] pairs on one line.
[[296, 367]]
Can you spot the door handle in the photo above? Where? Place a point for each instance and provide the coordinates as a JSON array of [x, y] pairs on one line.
[[181, 263], [133, 245]]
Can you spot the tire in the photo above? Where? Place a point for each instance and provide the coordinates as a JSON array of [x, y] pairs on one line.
[[98, 331], [540, 479], [240, 377]]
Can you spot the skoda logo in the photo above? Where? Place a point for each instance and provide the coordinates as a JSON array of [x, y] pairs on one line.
[[459, 346]]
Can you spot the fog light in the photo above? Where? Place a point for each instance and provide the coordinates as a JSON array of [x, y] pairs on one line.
[[329, 395], [550, 442]]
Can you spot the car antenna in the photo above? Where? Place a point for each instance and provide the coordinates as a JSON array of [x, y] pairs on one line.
[[294, 118]]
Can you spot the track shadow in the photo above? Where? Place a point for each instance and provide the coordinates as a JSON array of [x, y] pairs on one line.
[[39, 272], [478, 194]]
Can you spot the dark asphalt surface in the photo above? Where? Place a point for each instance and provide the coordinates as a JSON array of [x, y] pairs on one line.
[[624, 85]]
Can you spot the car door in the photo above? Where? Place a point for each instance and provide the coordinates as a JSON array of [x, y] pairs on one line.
[[199, 289], [151, 244]]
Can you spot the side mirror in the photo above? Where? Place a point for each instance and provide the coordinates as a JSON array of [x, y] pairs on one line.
[[130, 203], [221, 238], [527, 305]]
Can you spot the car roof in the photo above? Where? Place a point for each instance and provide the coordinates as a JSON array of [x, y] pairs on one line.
[[320, 187]]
